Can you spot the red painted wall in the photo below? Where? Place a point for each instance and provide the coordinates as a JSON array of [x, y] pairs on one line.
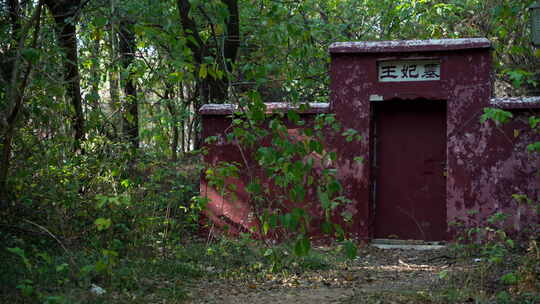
[[486, 164], [490, 164], [234, 208]]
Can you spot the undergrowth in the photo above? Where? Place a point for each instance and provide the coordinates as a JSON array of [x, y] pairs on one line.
[[496, 267], [165, 275]]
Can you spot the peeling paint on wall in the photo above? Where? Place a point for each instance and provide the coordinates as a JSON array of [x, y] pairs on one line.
[[486, 164]]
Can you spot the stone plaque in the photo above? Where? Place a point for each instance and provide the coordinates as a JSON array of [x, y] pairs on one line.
[[417, 70]]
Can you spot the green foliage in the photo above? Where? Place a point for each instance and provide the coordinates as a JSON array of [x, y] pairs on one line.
[[109, 201], [140, 277], [497, 115], [92, 202], [351, 250], [302, 246], [19, 252], [293, 165], [509, 278], [102, 223]]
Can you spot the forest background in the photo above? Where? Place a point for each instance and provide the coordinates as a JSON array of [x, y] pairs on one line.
[[99, 125]]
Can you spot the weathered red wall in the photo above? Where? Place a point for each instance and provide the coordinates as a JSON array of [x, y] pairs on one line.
[[235, 209], [491, 163], [465, 85], [224, 209], [485, 164]]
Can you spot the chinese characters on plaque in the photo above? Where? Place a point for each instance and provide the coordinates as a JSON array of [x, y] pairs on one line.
[[397, 71]]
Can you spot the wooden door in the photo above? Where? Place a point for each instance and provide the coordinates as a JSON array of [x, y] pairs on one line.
[[410, 177]]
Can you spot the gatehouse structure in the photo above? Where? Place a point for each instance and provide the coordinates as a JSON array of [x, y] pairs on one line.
[[430, 166]]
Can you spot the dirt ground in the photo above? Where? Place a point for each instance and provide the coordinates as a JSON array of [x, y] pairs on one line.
[[376, 276]]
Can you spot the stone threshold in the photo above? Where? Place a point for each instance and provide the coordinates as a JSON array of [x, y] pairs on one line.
[[407, 244]]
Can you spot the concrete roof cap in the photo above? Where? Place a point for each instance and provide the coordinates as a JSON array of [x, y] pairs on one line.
[[523, 102], [399, 46], [227, 109]]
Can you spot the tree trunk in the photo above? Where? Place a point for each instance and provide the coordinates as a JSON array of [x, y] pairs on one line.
[[131, 108], [114, 91], [4, 166], [15, 93], [65, 13], [185, 116], [232, 40], [14, 10], [169, 95], [95, 75]]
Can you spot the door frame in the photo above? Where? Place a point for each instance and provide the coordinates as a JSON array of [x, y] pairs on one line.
[[374, 156]]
